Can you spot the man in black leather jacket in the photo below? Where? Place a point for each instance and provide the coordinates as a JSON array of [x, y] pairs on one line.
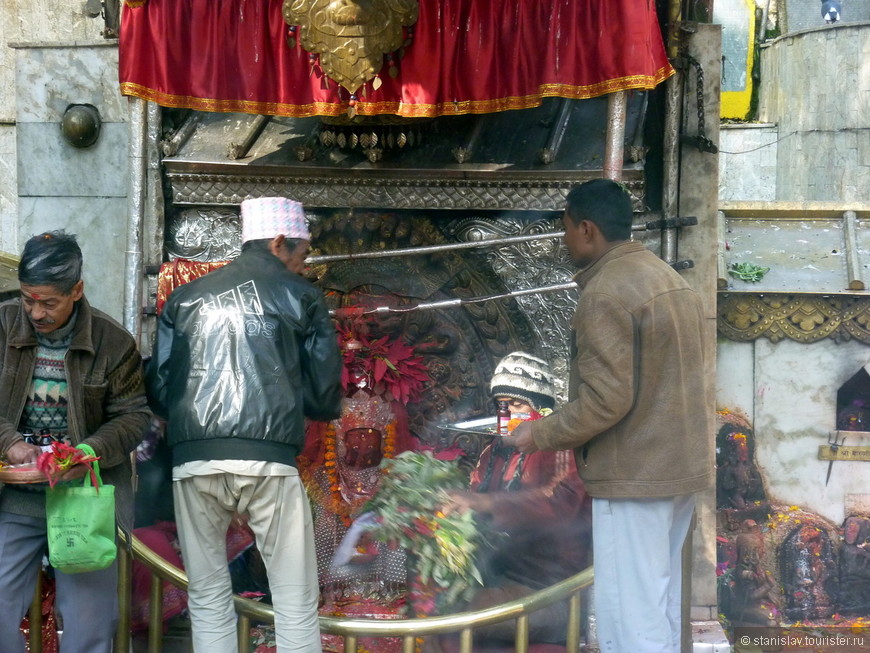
[[242, 356]]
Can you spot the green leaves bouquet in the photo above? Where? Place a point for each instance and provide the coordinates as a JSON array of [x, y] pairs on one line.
[[441, 547]]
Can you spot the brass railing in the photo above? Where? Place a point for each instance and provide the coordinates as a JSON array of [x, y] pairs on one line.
[[462, 623]]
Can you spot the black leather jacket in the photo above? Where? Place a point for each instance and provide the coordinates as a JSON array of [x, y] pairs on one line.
[[242, 354]]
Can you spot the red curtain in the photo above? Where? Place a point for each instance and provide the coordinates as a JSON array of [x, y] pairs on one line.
[[466, 56]]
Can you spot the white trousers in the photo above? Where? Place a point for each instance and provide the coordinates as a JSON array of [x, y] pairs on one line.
[[280, 517], [637, 546]]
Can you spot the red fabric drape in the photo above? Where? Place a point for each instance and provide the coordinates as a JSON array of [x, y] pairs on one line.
[[467, 56]]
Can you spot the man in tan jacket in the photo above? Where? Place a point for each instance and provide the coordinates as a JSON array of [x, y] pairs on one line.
[[638, 417]]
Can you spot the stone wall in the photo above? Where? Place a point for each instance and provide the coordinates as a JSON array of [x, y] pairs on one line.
[[45, 21], [747, 162], [82, 190], [815, 86]]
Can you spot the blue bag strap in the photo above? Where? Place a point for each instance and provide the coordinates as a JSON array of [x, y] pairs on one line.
[[89, 450]]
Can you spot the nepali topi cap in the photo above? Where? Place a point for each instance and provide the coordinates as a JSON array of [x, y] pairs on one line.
[[267, 217]]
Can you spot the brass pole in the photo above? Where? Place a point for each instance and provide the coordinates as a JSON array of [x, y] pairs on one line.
[[155, 615], [125, 599], [521, 643], [244, 633]]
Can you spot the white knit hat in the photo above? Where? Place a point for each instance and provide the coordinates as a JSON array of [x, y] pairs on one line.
[[267, 217], [522, 376]]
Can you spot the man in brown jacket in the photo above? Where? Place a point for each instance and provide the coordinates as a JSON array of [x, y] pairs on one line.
[[71, 371], [638, 417]]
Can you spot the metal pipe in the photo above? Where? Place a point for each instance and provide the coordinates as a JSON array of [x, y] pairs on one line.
[[671, 137], [155, 615], [614, 145], [456, 302], [557, 133], [124, 562], [853, 261], [487, 242], [240, 150], [244, 633], [182, 134], [135, 216]]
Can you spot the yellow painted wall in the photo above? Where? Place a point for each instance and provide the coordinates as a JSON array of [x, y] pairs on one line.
[[737, 18]]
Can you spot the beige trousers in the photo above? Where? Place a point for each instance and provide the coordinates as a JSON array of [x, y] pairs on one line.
[[279, 515]]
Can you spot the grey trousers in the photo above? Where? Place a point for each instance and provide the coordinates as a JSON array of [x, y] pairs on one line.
[[87, 602]]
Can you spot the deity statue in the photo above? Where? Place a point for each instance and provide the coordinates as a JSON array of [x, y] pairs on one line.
[[855, 566], [340, 468], [808, 578], [753, 593]]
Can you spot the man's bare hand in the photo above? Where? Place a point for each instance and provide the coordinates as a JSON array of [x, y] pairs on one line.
[[521, 438], [21, 453]]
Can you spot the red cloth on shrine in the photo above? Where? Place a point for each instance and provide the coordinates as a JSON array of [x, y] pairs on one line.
[[175, 273], [466, 56]]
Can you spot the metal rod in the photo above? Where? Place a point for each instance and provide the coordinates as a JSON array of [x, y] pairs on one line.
[[488, 242], [171, 146], [244, 633], [557, 134], [521, 644], [240, 150], [453, 303], [155, 615], [431, 249], [853, 260], [671, 150], [135, 216], [614, 146], [722, 276], [466, 641], [572, 642], [124, 562]]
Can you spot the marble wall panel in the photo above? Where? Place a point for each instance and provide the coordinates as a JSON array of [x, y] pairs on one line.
[[49, 79], [49, 166], [101, 226], [43, 21], [747, 162], [8, 191]]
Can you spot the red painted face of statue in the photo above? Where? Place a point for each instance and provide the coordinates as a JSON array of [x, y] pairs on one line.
[[362, 448]]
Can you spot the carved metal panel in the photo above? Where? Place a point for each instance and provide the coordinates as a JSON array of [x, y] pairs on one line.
[[745, 317], [352, 191]]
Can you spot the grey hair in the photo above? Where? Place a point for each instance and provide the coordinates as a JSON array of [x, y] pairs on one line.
[[52, 258]]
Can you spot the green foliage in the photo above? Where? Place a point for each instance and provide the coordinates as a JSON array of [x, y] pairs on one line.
[[408, 504], [748, 271]]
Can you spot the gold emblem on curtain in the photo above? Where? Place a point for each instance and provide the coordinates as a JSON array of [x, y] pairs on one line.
[[351, 37]]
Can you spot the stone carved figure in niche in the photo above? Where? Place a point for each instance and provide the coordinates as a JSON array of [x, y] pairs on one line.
[[808, 573], [753, 597], [854, 597], [738, 482]]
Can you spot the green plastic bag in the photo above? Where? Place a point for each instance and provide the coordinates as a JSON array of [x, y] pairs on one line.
[[81, 524]]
